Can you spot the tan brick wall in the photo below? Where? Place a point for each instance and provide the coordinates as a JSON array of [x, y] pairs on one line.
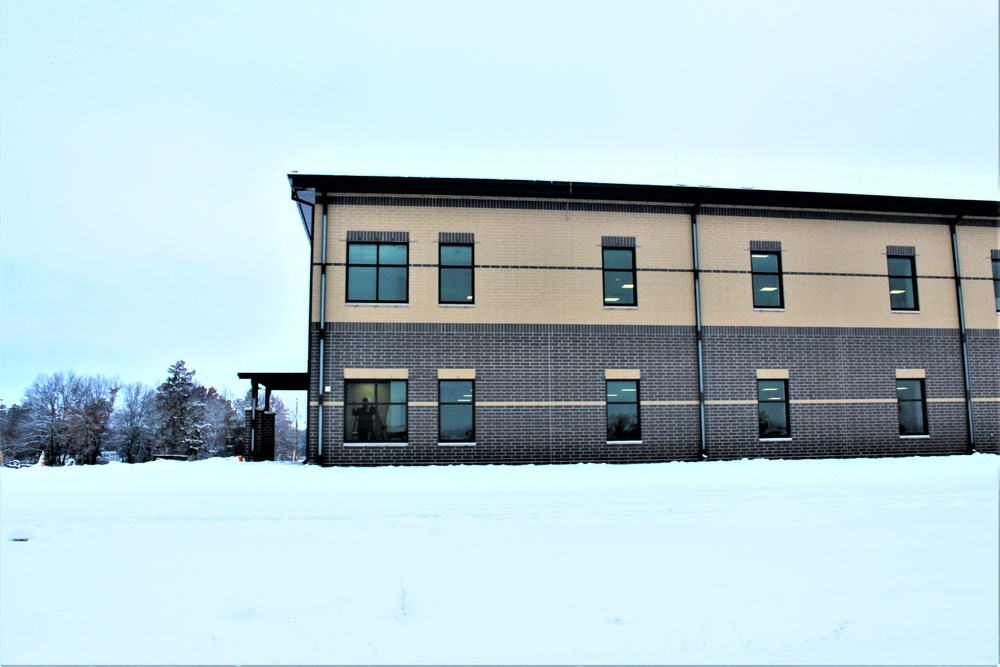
[[523, 238], [974, 245], [819, 246], [573, 239]]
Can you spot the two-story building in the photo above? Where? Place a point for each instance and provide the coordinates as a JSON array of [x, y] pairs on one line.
[[497, 321]]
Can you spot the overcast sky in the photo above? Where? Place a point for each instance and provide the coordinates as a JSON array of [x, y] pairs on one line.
[[144, 206]]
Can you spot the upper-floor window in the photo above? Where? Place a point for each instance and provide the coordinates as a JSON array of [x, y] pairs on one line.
[[903, 282], [996, 282], [912, 407], [772, 409], [766, 270], [619, 277], [377, 272], [455, 273]]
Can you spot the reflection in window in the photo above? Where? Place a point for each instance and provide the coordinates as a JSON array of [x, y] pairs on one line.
[[766, 275], [375, 411], [912, 409], [772, 408], [456, 411], [623, 410], [619, 277], [455, 273], [902, 283], [377, 272]]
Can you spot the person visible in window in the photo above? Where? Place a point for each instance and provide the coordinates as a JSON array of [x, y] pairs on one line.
[[366, 421]]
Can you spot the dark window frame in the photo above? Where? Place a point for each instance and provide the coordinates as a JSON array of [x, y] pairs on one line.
[[351, 420], [902, 399], [604, 277], [471, 404], [762, 434], [635, 434], [911, 279], [378, 266], [754, 254], [442, 268], [996, 282]]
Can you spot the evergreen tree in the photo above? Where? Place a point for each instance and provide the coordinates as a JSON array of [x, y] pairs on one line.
[[218, 412], [181, 413]]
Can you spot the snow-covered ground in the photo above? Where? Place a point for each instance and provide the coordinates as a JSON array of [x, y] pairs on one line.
[[891, 561]]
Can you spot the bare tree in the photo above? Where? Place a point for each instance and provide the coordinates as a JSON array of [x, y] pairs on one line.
[[13, 431], [69, 416], [91, 423], [48, 403], [134, 424]]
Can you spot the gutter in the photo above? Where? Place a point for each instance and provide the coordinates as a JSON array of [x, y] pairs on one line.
[[699, 338], [961, 325], [322, 336]]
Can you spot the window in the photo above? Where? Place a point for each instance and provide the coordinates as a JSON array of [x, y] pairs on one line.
[[455, 283], [772, 409], [619, 277], [902, 282], [766, 270], [623, 410], [375, 411], [377, 272], [456, 411], [996, 282], [912, 409]]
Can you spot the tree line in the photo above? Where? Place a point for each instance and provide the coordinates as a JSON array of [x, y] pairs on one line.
[[68, 418]]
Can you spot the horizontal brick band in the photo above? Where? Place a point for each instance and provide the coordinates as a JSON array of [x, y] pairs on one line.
[[456, 373], [376, 373]]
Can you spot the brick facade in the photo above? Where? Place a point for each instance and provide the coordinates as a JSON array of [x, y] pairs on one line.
[[541, 342], [262, 448]]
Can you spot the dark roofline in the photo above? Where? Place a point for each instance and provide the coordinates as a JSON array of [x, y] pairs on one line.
[[476, 187]]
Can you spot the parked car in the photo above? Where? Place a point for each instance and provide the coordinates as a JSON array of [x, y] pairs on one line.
[[13, 463]]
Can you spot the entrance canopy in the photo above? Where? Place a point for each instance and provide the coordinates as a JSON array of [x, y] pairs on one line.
[[278, 381]]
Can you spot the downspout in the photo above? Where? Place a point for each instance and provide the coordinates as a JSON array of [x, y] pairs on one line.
[[322, 335], [253, 417], [301, 205], [961, 325], [698, 332]]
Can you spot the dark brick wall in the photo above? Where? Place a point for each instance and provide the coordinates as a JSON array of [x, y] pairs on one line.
[[984, 376], [538, 363], [520, 363], [833, 365], [263, 442]]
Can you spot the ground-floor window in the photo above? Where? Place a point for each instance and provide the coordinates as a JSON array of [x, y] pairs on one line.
[[772, 409], [912, 408], [456, 411], [623, 410], [375, 411]]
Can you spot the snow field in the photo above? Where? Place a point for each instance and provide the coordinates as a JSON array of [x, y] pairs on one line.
[[889, 561]]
